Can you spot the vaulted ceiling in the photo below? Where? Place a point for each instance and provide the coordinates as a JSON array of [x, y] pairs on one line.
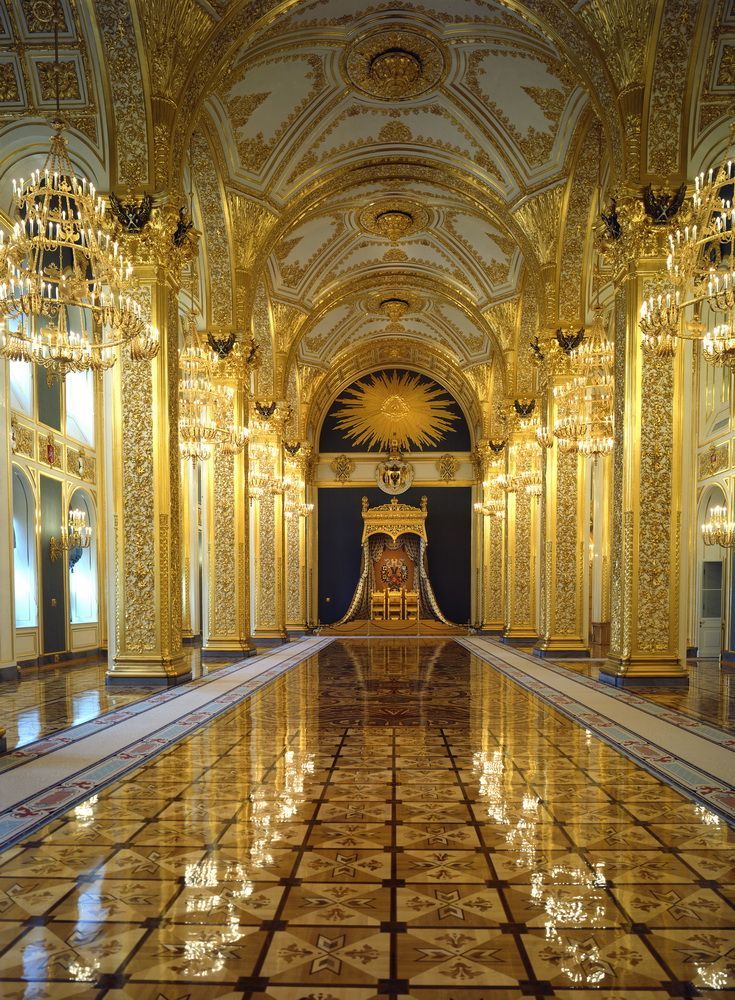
[[375, 172]]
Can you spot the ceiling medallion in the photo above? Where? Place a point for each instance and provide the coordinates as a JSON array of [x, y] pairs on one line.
[[395, 65], [392, 303], [393, 218], [395, 309]]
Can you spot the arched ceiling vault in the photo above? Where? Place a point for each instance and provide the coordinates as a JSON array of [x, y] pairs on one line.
[[351, 151], [393, 305]]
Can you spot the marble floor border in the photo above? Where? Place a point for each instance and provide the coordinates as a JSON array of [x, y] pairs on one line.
[[45, 786], [662, 742]]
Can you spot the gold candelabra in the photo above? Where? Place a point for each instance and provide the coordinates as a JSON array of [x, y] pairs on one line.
[[75, 534], [719, 529]]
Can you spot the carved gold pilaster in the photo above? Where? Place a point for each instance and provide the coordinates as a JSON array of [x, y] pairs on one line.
[[226, 627], [145, 612], [601, 517], [493, 531], [295, 547], [564, 580], [647, 469], [189, 550], [521, 556], [269, 563]]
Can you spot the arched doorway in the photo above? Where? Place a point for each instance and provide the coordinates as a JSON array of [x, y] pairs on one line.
[[83, 589], [711, 571]]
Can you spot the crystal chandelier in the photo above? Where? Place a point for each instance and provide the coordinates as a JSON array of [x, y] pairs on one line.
[[65, 286], [718, 347], [719, 530], [570, 422], [197, 398], [205, 409], [544, 436], [75, 534], [263, 477], [701, 266], [299, 510], [594, 357]]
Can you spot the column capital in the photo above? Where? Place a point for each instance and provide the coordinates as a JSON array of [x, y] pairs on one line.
[[630, 235], [165, 244]]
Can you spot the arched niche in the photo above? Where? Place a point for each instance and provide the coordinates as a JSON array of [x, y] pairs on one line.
[[25, 572], [83, 590]]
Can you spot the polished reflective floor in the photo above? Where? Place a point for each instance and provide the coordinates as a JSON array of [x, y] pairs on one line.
[[388, 820], [710, 695], [47, 698]]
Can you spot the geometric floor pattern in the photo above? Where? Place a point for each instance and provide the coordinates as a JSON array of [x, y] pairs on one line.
[[386, 820], [693, 755]]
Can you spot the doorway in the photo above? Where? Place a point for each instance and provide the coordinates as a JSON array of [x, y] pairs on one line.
[[710, 610]]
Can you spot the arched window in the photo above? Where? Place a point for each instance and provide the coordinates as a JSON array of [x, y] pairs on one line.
[[24, 551], [83, 567]]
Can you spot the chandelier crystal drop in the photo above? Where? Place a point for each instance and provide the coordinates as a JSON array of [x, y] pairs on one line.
[[66, 289]]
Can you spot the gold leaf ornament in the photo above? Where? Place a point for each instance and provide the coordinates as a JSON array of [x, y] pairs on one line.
[[395, 411]]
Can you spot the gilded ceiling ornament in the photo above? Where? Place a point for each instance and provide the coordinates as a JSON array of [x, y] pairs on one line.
[[395, 309], [395, 411], [395, 303], [9, 92], [395, 64], [393, 218]]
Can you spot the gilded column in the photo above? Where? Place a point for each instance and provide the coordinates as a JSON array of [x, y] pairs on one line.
[[521, 553], [601, 518], [226, 625], [144, 513], [491, 531], [564, 624], [645, 579], [270, 612], [295, 528], [269, 535]]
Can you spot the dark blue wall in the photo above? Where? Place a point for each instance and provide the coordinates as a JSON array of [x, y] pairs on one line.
[[456, 439], [448, 526]]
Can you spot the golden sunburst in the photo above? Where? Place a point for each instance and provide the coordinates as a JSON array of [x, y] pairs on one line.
[[395, 411]]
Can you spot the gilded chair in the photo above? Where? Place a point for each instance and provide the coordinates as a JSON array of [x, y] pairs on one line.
[[395, 605], [412, 604], [378, 605]]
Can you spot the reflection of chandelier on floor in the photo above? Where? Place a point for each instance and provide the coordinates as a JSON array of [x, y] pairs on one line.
[[65, 286], [701, 266]]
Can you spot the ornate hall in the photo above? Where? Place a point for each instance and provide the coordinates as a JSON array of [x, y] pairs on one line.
[[367, 499]]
